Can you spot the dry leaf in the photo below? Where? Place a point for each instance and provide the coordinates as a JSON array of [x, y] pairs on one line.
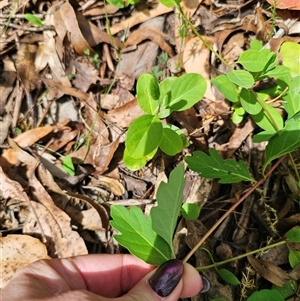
[[149, 33], [285, 4], [269, 270], [17, 251], [141, 17], [195, 59]]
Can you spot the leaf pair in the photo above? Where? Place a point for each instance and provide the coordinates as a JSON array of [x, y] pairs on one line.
[[158, 100]]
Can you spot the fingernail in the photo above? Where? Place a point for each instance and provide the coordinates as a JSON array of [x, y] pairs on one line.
[[166, 277], [206, 285]]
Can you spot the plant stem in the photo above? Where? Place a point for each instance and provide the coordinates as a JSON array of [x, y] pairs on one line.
[[201, 38], [262, 103], [221, 219], [282, 242]]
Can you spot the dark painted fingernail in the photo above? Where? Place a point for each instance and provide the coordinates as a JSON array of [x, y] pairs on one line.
[[206, 285], [166, 277]]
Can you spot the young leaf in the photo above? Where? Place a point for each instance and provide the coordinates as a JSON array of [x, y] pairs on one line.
[[292, 97], [255, 61], [226, 87], [266, 294], [169, 3], [293, 235], [116, 3], [288, 289], [169, 200], [290, 56], [285, 141], [213, 166], [278, 71], [190, 211], [249, 102], [138, 236], [143, 136], [134, 163], [263, 121], [68, 165], [171, 143], [34, 20], [228, 277], [186, 91], [241, 78], [294, 258], [148, 93]]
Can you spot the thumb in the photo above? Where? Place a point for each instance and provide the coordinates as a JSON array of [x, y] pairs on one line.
[[169, 282]]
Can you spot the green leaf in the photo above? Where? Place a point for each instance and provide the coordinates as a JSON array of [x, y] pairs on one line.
[[213, 166], [264, 122], [288, 289], [293, 235], [169, 3], [278, 71], [169, 200], [133, 163], [292, 97], [68, 165], [236, 118], [256, 45], [249, 102], [263, 136], [294, 258], [148, 93], [254, 60], [285, 141], [265, 295], [171, 143], [226, 87], [138, 236], [34, 20], [241, 78], [190, 211], [228, 277], [116, 3], [186, 91], [144, 136], [290, 52]]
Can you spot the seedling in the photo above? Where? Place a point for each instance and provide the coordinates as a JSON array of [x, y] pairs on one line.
[[148, 133], [34, 20]]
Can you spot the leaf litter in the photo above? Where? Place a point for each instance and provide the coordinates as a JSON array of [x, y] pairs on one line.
[[78, 62]]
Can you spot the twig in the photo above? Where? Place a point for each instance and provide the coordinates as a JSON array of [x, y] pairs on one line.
[[34, 29]]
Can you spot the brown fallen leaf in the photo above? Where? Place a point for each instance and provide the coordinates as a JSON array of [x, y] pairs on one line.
[[149, 33], [195, 58], [17, 251], [269, 271], [65, 22], [141, 17], [285, 4], [125, 114]]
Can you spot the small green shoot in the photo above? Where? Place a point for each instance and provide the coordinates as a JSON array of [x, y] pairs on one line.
[[190, 211], [34, 20], [68, 165]]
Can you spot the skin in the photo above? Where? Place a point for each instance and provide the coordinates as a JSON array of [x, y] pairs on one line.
[[97, 277]]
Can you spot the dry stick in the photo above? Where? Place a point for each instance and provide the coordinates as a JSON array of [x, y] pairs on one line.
[[213, 228]]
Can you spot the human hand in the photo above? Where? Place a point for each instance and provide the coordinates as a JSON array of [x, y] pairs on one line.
[[95, 277]]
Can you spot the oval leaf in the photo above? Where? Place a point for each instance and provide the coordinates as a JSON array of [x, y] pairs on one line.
[[186, 91], [293, 235], [226, 87], [241, 78], [171, 143], [249, 102], [148, 93], [264, 295], [228, 277], [143, 136], [190, 211]]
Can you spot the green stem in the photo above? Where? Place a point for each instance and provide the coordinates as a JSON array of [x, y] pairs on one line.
[[262, 103], [201, 38], [282, 242], [221, 219]]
